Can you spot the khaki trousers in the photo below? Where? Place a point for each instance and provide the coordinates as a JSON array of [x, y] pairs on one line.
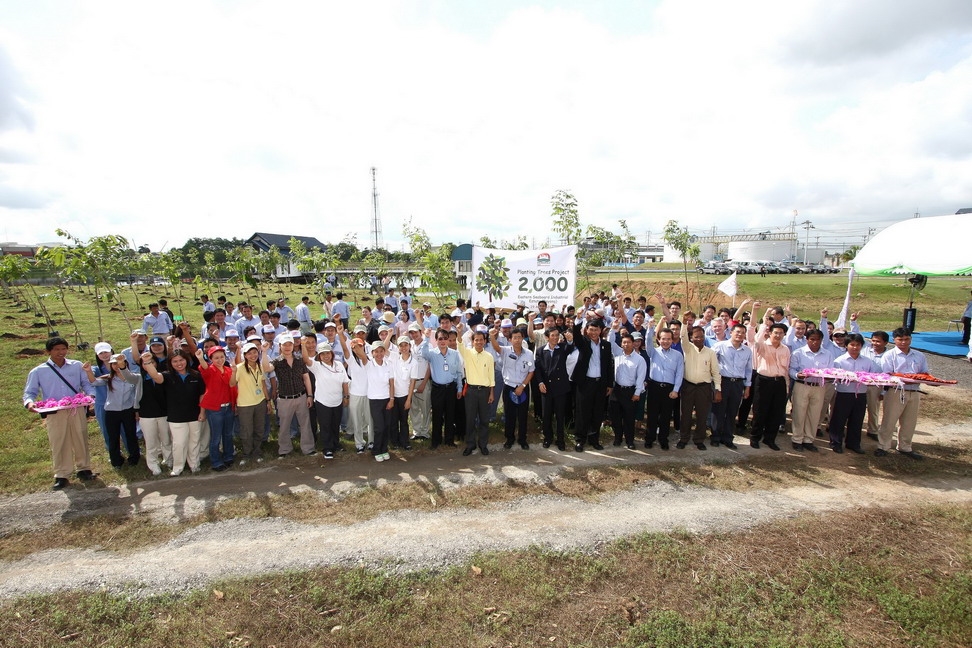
[[873, 408], [901, 416], [808, 403], [420, 415], [67, 431], [158, 441]]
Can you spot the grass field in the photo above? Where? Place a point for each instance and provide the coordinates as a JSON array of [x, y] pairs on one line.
[[24, 451]]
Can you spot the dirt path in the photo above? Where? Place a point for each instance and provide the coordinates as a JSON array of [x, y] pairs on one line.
[[411, 539]]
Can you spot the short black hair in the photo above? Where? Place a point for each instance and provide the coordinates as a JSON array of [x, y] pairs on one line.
[[900, 332], [55, 341], [881, 335]]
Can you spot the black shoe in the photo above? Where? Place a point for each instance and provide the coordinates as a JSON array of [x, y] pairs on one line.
[[681, 445], [219, 468], [484, 451], [451, 444], [59, 483], [836, 448], [754, 443], [772, 446], [524, 446], [562, 447], [546, 444], [811, 447], [880, 453], [467, 452], [85, 475], [579, 447], [715, 443], [700, 446], [133, 461], [617, 442], [730, 445], [597, 446], [649, 445], [911, 454], [663, 445], [508, 445], [434, 446], [856, 450], [819, 434], [631, 446], [871, 435], [797, 446]]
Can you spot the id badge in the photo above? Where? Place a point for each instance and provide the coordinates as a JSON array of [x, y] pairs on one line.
[[445, 367], [259, 391]]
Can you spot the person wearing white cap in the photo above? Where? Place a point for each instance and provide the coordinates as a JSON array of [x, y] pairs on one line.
[[403, 365], [331, 395], [95, 372], [294, 396], [252, 405], [123, 394], [381, 394]]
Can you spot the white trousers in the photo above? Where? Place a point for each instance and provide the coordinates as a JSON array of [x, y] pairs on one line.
[[185, 445]]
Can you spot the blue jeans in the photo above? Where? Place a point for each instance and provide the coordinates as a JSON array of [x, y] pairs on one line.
[[220, 434]]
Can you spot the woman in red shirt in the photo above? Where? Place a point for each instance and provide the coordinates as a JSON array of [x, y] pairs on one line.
[[218, 405]]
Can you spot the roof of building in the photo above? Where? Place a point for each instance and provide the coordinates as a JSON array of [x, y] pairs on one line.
[[263, 241]]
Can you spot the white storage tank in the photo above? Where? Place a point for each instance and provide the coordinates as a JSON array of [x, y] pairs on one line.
[[759, 250]]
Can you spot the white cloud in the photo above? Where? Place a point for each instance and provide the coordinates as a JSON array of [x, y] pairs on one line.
[[209, 118]]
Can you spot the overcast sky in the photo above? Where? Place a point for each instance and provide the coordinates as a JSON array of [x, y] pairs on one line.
[[165, 121]]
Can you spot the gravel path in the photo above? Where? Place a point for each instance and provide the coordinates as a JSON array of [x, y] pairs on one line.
[[408, 540]]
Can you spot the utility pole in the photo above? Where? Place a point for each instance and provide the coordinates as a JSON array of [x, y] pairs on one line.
[[376, 238], [807, 225]]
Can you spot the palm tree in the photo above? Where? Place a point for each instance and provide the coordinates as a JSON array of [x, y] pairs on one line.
[[848, 255]]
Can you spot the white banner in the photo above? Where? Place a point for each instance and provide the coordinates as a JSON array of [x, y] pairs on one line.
[[729, 286], [505, 277]]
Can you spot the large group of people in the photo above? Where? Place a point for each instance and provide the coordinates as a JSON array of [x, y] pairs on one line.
[[381, 376]]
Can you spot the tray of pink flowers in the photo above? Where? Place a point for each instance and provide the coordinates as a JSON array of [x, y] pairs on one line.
[[845, 376], [68, 402]]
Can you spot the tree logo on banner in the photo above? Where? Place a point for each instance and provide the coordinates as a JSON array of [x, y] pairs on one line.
[[493, 277]]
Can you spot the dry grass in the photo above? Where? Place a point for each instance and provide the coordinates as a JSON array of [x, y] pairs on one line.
[[901, 577]]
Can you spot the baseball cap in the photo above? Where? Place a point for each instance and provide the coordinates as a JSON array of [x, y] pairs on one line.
[[232, 333], [139, 332], [214, 350], [285, 339], [414, 326], [157, 339], [248, 346], [360, 329], [507, 323], [269, 328], [101, 347]]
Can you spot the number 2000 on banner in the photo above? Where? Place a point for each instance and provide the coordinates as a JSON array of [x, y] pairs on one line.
[[541, 284]]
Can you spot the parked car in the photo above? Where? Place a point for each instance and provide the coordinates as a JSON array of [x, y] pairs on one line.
[[788, 268]]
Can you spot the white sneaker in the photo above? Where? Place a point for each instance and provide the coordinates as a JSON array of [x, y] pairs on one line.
[[242, 463], [175, 474], [155, 471], [380, 457], [386, 456]]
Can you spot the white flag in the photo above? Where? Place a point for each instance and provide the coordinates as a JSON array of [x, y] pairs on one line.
[[842, 318], [729, 286]]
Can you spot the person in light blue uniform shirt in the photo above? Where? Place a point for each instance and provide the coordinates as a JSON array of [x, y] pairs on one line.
[[850, 403]]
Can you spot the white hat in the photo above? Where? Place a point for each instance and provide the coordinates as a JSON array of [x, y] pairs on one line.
[[414, 326], [377, 345], [383, 328], [285, 338], [232, 332], [404, 339], [388, 316], [101, 347], [269, 328], [324, 347], [248, 346], [139, 332], [329, 324]]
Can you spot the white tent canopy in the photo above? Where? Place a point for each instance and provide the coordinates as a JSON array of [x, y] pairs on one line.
[[938, 245]]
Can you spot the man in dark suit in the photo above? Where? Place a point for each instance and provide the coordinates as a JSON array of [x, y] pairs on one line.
[[554, 383], [593, 380]]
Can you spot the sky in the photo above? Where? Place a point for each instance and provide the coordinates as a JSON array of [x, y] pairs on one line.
[[161, 122]]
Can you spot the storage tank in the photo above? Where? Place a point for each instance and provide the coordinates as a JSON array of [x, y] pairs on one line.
[[759, 250]]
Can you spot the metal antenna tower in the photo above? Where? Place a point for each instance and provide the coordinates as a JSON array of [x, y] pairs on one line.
[[376, 238]]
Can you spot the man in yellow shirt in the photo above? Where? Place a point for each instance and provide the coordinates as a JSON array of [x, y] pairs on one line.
[[480, 380], [701, 377]]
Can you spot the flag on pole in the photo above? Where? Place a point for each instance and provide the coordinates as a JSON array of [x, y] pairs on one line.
[[842, 318], [729, 286]]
